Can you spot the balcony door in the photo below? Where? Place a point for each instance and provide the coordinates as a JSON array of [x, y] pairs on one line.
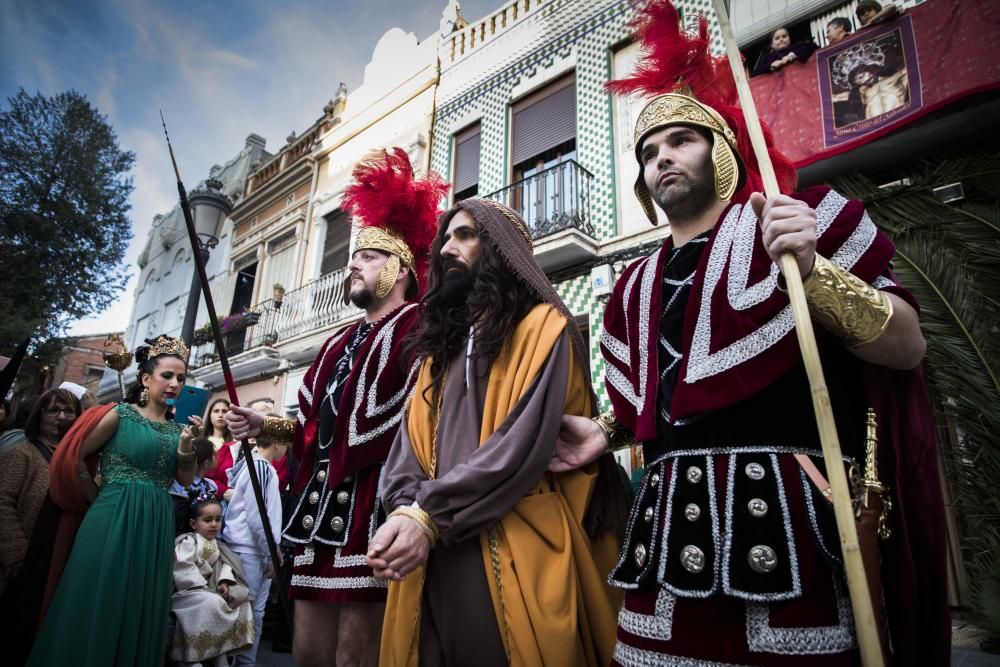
[[543, 149]]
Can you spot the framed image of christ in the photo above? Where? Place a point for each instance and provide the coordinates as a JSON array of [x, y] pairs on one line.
[[869, 80]]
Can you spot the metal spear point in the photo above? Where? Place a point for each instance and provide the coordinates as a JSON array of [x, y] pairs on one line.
[[199, 264]]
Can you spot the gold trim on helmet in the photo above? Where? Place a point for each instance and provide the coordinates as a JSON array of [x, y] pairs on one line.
[[678, 109], [376, 238]]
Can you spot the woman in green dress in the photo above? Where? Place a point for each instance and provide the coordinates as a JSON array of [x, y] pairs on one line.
[[111, 606]]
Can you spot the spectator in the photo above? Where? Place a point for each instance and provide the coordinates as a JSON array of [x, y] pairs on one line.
[[837, 30], [244, 531], [14, 429], [205, 459], [28, 520], [871, 13], [24, 476], [216, 428], [783, 53]]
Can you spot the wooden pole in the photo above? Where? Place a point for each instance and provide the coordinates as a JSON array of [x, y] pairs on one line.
[[857, 582]]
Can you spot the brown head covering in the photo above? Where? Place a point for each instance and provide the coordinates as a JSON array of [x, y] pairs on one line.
[[611, 499], [512, 239]]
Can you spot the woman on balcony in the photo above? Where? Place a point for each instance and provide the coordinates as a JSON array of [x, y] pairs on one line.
[[783, 53]]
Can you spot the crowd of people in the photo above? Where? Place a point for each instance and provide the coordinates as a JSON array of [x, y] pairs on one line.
[[446, 493], [782, 51]]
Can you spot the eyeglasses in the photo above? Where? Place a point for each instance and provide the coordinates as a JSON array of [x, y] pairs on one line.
[[55, 412]]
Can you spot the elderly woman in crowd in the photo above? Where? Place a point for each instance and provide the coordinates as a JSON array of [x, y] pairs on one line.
[[24, 475], [28, 520]]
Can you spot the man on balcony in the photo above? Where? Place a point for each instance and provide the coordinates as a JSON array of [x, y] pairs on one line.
[[350, 404], [732, 555], [492, 560]]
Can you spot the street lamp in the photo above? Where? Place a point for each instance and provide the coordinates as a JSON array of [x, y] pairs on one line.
[[209, 207]]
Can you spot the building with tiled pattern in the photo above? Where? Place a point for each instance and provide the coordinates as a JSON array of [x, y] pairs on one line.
[[504, 73]]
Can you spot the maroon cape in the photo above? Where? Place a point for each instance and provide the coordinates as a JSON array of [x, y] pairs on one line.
[[371, 403], [739, 338]]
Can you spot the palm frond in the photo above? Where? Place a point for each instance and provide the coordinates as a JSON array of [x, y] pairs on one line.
[[948, 255]]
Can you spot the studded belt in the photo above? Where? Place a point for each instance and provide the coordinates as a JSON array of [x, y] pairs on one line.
[[718, 521], [323, 512]]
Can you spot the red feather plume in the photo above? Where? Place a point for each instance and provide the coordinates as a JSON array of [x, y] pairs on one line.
[[674, 59], [386, 195]]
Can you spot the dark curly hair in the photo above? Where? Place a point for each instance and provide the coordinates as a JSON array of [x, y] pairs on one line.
[[497, 297], [146, 365]]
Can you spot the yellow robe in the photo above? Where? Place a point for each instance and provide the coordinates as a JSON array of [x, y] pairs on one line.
[[553, 604]]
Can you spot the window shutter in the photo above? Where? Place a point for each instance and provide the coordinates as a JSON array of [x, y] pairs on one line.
[[466, 159], [338, 242], [543, 120]]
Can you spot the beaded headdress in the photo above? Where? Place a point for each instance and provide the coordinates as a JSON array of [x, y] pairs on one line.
[[397, 212], [689, 86], [166, 345]]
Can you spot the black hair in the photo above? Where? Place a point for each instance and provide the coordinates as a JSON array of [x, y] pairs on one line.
[[210, 428], [198, 499], [843, 22], [497, 297], [204, 450], [146, 366], [866, 6]]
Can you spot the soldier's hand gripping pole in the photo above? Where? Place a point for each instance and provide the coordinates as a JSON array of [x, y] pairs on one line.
[[857, 583]]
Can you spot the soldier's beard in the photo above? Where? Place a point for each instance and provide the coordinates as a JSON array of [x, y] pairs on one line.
[[688, 196], [362, 298]]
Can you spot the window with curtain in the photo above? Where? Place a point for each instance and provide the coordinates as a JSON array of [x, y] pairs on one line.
[[543, 137], [280, 263]]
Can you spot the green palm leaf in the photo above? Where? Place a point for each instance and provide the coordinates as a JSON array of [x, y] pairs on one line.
[[948, 255]]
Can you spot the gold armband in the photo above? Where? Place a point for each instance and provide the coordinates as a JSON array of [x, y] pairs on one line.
[[845, 305], [278, 428], [618, 435], [421, 518], [185, 460]]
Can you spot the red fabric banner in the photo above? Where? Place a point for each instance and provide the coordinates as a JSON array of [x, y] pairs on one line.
[[882, 78]]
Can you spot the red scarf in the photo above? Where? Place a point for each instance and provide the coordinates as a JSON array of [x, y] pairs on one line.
[[67, 491]]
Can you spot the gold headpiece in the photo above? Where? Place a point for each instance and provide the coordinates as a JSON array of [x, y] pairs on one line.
[[377, 238], [172, 346], [681, 109]]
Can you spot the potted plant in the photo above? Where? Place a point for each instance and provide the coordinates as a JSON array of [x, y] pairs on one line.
[[239, 321], [203, 334]]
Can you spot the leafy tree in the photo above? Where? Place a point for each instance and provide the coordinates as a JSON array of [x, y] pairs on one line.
[[64, 228]]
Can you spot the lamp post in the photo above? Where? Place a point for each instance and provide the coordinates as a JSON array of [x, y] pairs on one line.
[[209, 206]]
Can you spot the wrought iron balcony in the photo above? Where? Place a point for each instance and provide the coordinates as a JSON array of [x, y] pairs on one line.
[[313, 307], [552, 200]]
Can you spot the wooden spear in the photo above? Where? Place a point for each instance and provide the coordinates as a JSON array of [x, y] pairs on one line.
[[234, 399], [857, 582]]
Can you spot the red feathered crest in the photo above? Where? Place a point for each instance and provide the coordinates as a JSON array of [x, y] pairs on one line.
[[386, 195], [676, 60]]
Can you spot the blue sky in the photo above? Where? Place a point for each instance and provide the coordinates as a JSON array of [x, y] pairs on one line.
[[218, 70]]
